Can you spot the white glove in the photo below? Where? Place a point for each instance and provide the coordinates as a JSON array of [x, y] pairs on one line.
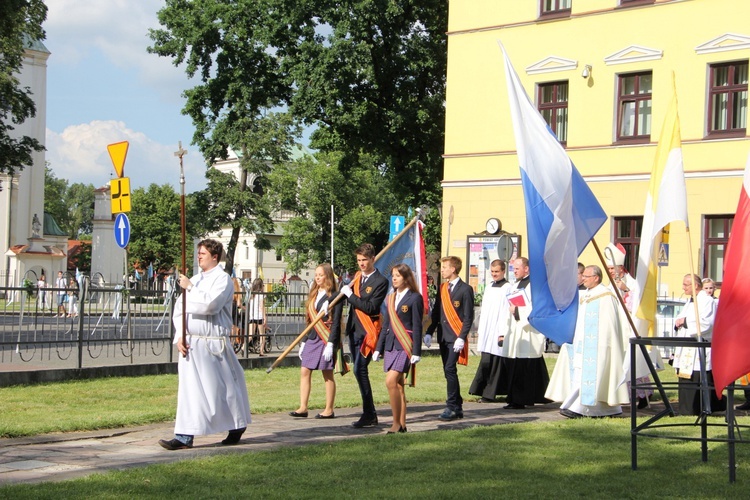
[[415, 359], [428, 340], [346, 290], [324, 308], [458, 345], [328, 351], [375, 355], [301, 346]]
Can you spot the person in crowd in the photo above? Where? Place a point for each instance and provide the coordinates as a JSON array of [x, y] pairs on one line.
[[581, 286], [256, 310], [524, 376], [62, 294], [41, 294], [494, 320], [709, 286], [211, 394], [630, 291], [598, 353], [318, 350], [452, 317], [400, 339], [687, 360], [73, 297], [365, 296]]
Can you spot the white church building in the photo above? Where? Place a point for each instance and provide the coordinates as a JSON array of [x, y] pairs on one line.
[[32, 243]]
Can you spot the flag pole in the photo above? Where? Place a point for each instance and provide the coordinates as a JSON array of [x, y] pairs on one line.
[[335, 301], [644, 351], [180, 153], [617, 290]]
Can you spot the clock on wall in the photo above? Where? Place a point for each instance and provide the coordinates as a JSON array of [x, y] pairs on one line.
[[493, 225]]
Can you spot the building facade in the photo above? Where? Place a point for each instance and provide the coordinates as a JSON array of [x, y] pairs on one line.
[[600, 72], [32, 242]]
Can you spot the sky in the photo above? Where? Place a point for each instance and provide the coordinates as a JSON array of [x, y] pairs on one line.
[[103, 87]]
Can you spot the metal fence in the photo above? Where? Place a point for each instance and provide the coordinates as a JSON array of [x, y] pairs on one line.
[[112, 325]]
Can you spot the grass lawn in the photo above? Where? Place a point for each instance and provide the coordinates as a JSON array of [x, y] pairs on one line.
[[124, 402], [563, 459], [586, 458]]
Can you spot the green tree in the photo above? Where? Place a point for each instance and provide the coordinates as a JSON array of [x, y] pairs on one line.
[[370, 75], [227, 47], [155, 235], [362, 204], [55, 193], [80, 201], [71, 206], [20, 22]]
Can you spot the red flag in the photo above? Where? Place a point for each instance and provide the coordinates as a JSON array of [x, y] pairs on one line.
[[730, 345]]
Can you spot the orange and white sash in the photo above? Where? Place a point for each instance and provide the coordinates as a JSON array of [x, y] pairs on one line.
[[372, 328], [454, 321]]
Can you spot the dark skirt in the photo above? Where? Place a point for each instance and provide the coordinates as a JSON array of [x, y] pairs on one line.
[[312, 355], [487, 379], [689, 396], [524, 380], [396, 360]]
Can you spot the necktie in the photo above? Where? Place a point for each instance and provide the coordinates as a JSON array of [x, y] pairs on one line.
[[450, 288], [364, 279]]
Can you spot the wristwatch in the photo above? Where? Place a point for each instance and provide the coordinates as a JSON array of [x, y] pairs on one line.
[[190, 287]]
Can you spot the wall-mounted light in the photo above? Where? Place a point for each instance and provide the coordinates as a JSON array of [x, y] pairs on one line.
[[586, 71]]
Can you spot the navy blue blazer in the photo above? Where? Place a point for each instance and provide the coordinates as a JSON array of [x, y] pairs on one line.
[[332, 319], [370, 298], [462, 298], [410, 311]]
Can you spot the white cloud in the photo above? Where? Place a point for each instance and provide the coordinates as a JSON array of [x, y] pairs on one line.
[[119, 30], [79, 154]]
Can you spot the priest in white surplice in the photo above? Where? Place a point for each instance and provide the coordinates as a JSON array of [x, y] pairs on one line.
[[494, 321], [212, 394], [598, 350]]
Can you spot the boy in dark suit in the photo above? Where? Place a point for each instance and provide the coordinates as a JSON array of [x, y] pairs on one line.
[[365, 296], [452, 317]]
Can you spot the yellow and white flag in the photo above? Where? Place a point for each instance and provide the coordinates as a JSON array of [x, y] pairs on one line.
[[666, 202]]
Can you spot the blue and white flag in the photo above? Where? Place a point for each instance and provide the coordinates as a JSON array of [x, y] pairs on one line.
[[562, 215], [407, 248]]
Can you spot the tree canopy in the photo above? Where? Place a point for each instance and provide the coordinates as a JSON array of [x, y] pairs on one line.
[[156, 234], [20, 21], [362, 208], [71, 206], [369, 75]]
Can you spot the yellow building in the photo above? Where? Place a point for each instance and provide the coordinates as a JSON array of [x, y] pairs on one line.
[[601, 73]]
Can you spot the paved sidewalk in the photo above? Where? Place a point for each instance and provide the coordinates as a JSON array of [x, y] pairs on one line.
[[57, 457]]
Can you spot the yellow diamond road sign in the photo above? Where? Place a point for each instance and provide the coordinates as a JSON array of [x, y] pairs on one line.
[[118, 152]]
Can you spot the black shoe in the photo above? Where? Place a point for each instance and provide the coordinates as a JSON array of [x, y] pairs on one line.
[[642, 403], [320, 415], [174, 444], [402, 430], [570, 414], [743, 406], [302, 414], [514, 406], [234, 436], [487, 400], [366, 421], [449, 415]]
